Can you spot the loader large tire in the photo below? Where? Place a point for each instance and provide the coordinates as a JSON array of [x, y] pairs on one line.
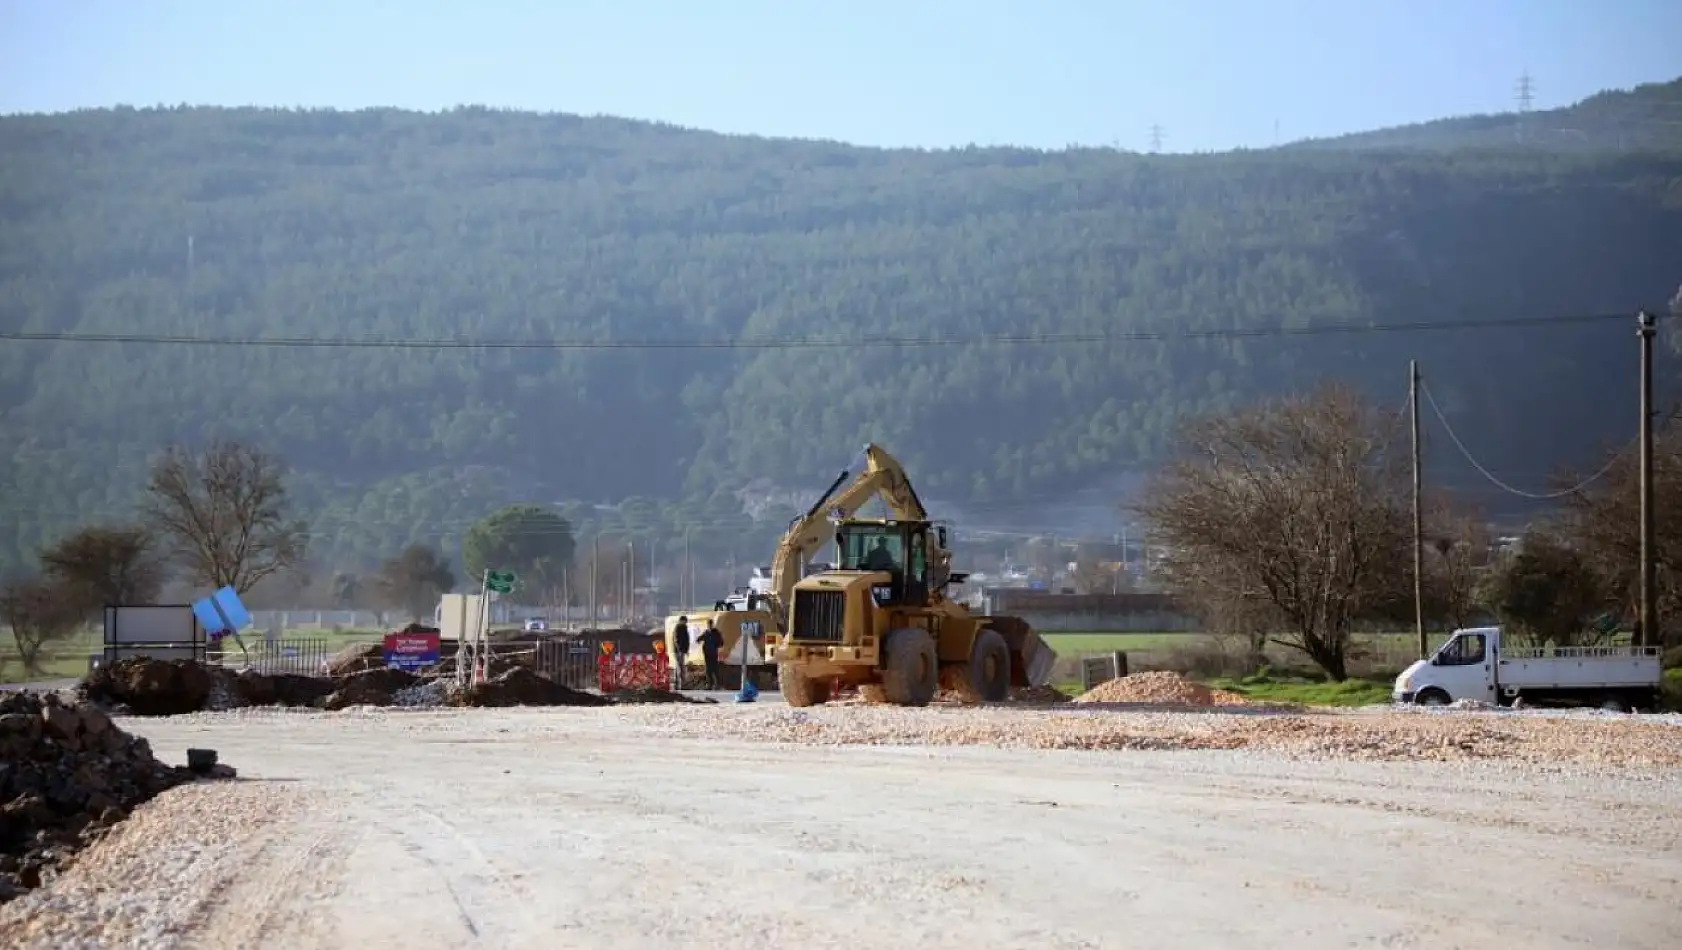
[[989, 667], [799, 689], [912, 672]]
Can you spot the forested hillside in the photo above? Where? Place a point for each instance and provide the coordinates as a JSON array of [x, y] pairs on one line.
[[1646, 118], [492, 225]]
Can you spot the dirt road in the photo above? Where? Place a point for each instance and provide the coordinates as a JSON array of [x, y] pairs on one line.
[[584, 828]]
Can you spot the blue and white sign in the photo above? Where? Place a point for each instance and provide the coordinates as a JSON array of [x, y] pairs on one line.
[[221, 612]]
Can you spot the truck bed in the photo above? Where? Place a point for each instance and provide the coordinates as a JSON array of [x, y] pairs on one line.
[[1578, 667]]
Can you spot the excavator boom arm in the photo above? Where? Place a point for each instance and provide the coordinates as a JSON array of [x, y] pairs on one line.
[[882, 477]]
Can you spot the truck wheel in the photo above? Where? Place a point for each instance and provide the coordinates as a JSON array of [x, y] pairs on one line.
[[913, 668], [989, 667], [798, 689], [1433, 697]]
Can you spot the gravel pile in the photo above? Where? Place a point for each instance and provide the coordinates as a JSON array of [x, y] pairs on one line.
[[1606, 741], [146, 883], [67, 774], [1161, 688], [422, 695]]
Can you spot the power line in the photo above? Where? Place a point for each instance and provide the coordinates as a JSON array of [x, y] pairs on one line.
[[1486, 473], [794, 343]]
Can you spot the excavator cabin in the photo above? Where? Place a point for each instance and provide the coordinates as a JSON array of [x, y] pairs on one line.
[[910, 552]]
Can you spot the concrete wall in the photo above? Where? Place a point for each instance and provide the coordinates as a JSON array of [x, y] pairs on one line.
[[1095, 613]]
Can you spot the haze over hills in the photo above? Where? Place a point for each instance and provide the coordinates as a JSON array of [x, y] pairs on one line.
[[1646, 118], [723, 251]]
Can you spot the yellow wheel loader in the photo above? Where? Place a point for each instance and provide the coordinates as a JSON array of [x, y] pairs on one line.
[[882, 617]]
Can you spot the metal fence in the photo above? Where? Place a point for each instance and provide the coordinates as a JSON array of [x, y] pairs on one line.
[[570, 664], [304, 657]]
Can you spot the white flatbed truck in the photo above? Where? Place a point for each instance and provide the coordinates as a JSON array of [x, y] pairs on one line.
[[1474, 664]]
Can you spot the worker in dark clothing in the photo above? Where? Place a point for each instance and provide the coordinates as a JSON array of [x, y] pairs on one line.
[[711, 642], [680, 651], [880, 558]]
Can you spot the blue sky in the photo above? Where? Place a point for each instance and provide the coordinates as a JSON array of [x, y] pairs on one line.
[[1214, 74]]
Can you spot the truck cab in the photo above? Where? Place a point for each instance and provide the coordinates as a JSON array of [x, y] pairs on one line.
[[1474, 664]]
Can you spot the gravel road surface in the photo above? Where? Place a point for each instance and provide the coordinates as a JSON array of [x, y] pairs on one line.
[[567, 828]]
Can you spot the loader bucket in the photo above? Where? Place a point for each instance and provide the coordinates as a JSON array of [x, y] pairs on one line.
[[1036, 660], [1031, 659]]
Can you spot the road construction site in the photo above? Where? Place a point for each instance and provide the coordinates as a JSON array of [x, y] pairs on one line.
[[1055, 825]]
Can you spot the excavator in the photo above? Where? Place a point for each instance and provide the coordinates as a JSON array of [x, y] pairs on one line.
[[881, 615], [757, 615]]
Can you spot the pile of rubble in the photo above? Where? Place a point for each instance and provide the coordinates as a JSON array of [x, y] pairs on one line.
[[67, 775], [142, 686], [522, 687], [1039, 694], [146, 687], [649, 694], [1160, 688]]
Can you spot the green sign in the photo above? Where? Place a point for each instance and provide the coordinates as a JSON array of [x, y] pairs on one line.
[[501, 582]]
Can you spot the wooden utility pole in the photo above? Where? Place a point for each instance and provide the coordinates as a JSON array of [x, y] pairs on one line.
[[1649, 633], [1418, 515]]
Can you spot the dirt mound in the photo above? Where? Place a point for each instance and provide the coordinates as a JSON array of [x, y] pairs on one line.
[[1039, 694], [370, 688], [67, 774], [522, 687], [357, 658], [1163, 688], [148, 687], [654, 695]]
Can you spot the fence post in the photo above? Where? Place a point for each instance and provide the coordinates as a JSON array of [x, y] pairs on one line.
[[1118, 660]]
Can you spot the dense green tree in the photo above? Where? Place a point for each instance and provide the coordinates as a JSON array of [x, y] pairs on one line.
[[533, 541], [1546, 592]]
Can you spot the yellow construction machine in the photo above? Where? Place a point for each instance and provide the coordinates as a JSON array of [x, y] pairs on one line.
[[881, 616], [763, 611]]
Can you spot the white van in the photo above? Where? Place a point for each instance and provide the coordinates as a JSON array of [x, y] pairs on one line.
[[1474, 664]]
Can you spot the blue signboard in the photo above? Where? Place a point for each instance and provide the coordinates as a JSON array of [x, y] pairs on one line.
[[209, 619], [221, 612]]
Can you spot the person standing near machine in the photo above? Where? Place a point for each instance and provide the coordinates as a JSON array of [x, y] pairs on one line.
[[680, 650], [711, 642]]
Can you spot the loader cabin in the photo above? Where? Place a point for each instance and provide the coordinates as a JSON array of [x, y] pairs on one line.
[[902, 549]]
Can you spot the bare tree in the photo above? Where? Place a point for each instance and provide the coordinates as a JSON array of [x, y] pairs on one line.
[[39, 612], [1602, 523], [1457, 554], [106, 565], [1298, 504], [224, 514], [413, 580]]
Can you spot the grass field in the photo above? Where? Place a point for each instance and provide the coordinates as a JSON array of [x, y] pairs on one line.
[[68, 658]]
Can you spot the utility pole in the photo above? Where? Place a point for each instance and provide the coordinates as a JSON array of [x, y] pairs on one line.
[[1418, 514], [1156, 138], [595, 559], [1648, 326]]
